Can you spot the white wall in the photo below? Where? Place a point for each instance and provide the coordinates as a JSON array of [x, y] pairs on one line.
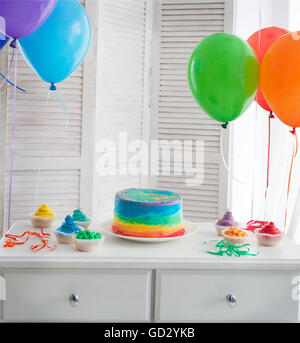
[[294, 25], [249, 160]]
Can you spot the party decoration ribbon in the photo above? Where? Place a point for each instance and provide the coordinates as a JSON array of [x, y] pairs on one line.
[[13, 240], [12, 153], [228, 169], [225, 248], [295, 152], [271, 116], [252, 225], [5, 78]]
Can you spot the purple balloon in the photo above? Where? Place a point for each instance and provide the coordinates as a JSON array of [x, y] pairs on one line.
[[20, 18]]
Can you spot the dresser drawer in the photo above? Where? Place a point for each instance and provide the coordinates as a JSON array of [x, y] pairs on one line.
[[103, 295], [201, 296]]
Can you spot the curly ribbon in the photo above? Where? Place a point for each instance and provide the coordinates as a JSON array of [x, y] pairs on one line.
[[295, 152], [5, 78], [64, 107], [12, 153], [225, 248], [224, 126], [271, 116], [53, 88], [252, 225], [13, 240], [42, 151], [256, 108]]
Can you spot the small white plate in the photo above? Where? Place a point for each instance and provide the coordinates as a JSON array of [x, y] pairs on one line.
[[190, 229]]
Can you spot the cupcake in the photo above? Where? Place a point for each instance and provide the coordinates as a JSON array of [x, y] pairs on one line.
[[81, 219], [235, 236], [43, 217], [269, 235], [88, 241], [66, 232], [226, 222]]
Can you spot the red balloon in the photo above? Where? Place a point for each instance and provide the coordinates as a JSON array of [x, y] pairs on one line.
[[260, 42]]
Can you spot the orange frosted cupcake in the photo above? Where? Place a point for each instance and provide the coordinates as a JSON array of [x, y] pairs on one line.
[[235, 235], [43, 217]]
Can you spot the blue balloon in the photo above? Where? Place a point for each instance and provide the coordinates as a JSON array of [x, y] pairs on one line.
[[3, 40], [57, 48]]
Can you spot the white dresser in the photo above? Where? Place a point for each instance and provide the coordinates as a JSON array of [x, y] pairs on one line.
[[133, 282]]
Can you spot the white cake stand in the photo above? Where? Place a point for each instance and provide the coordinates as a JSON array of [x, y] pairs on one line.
[[190, 229]]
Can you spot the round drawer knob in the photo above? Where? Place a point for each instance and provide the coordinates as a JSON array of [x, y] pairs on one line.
[[74, 299], [231, 300]]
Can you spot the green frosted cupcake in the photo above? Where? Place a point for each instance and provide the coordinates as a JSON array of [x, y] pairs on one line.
[[88, 241]]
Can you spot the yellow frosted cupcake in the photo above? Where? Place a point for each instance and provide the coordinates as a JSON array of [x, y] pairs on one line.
[[43, 217]]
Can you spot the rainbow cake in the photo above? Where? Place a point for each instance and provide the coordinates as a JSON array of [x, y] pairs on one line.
[[148, 213]]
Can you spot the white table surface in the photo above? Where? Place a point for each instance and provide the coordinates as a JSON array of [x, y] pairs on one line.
[[186, 253]]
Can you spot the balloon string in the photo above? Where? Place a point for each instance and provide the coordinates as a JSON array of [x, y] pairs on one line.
[[5, 79], [256, 108], [295, 152], [8, 73], [64, 107], [42, 151], [12, 141], [9, 69], [224, 161], [271, 116]]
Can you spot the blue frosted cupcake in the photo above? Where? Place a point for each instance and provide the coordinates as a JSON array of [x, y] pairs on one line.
[[66, 232]]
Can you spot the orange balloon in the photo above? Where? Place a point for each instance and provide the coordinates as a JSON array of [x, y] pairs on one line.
[[280, 78]]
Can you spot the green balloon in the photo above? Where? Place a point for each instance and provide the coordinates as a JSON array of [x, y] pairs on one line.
[[223, 75]]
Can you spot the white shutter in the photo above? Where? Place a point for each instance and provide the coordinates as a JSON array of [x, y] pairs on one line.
[[182, 26], [60, 182], [121, 87]]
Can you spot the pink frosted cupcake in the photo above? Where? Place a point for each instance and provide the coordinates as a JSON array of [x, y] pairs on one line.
[[225, 223], [269, 235]]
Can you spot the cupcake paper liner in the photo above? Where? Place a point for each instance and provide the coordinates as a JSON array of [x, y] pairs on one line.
[[44, 222], [235, 240], [267, 239], [64, 239], [88, 245], [84, 225], [220, 228]]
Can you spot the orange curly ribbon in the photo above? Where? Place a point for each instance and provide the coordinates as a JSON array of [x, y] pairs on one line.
[[13, 240]]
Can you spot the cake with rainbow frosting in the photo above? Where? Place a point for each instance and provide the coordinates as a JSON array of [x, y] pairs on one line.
[[148, 213]]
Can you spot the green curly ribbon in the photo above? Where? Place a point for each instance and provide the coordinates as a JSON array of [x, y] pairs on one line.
[[225, 248]]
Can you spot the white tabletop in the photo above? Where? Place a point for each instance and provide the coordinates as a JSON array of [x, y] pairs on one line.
[[186, 253]]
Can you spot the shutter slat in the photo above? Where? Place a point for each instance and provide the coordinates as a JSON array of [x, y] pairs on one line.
[[183, 26], [59, 188], [122, 89]]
